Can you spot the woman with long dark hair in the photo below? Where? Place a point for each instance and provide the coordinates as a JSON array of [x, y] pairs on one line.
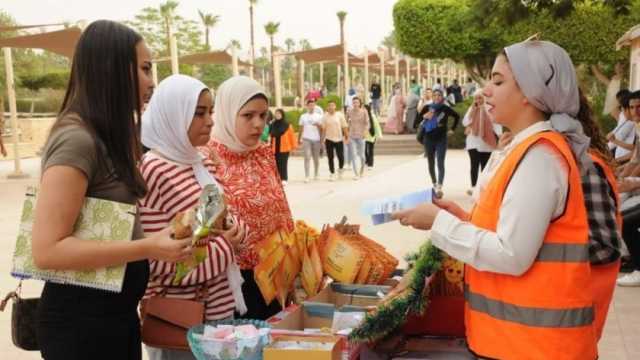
[[93, 150], [283, 142]]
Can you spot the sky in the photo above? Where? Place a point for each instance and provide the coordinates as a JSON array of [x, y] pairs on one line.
[[368, 21]]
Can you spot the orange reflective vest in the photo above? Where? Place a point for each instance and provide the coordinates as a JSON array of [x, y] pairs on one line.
[[546, 312]]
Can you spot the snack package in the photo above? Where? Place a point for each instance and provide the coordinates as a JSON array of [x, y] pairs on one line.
[[343, 258], [265, 273], [197, 224]]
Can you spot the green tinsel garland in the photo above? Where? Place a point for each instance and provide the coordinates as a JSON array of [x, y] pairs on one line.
[[390, 316]]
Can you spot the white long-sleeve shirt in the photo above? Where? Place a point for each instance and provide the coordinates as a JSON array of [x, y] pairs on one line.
[[535, 196], [476, 142]]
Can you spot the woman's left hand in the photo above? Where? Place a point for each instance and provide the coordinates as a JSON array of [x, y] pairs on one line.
[[421, 217]]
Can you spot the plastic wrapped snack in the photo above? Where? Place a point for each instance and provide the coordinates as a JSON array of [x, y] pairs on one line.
[[197, 224]]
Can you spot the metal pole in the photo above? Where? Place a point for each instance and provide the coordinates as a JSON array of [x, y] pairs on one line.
[[154, 73], [345, 55], [366, 75], [175, 68], [234, 61], [276, 79], [11, 94]]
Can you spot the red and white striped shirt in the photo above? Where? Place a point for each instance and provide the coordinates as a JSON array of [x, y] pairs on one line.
[[174, 188]]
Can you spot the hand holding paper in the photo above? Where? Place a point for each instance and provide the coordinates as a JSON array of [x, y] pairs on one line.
[[381, 209]]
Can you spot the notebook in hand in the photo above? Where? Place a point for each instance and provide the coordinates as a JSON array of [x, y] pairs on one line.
[[99, 220]]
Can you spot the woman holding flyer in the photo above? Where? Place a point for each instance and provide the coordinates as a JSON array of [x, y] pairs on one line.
[[528, 287], [176, 122]]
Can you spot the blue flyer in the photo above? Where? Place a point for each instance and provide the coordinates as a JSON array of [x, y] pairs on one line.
[[380, 210]]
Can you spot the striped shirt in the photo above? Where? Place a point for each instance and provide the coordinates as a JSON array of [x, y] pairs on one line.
[[174, 188]]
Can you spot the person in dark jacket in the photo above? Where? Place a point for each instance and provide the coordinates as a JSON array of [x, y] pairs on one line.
[[436, 131]]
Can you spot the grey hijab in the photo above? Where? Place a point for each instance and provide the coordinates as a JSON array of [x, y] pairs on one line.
[[546, 76]]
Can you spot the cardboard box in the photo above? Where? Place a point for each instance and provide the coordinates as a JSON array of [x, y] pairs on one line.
[[331, 352], [340, 295], [312, 317]]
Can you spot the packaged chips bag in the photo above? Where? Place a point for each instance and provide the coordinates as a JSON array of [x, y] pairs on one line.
[[198, 224]]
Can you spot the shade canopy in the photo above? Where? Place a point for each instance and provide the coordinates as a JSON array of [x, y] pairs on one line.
[[212, 57], [62, 42], [628, 37], [329, 54]]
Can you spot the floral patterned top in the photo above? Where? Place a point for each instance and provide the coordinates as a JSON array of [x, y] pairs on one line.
[[254, 194]]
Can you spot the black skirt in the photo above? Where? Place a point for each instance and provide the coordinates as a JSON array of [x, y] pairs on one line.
[[77, 323], [256, 307]]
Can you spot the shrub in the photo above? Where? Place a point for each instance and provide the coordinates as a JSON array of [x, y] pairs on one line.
[[293, 118]]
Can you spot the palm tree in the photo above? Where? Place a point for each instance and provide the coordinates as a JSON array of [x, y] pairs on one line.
[[271, 28], [252, 4], [234, 44], [209, 21], [342, 15], [305, 45], [290, 44], [167, 11]]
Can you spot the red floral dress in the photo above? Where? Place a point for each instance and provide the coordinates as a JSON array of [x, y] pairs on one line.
[[254, 194]]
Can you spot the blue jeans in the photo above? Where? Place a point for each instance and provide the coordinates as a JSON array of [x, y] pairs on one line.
[[375, 106], [357, 150], [436, 151]]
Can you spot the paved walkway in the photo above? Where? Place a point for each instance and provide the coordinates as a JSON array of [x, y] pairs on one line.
[[326, 202]]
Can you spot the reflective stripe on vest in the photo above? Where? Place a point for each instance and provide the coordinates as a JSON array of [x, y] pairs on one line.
[[553, 252], [530, 316]]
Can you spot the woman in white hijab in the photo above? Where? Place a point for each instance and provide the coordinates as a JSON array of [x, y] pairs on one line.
[[247, 173], [526, 244], [176, 122]]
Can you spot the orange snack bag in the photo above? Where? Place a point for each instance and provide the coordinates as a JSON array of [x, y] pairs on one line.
[[265, 272]]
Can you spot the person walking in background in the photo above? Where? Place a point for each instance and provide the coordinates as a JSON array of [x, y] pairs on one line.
[[427, 99], [469, 88], [395, 113], [482, 137], [412, 112], [359, 126], [435, 137], [374, 133], [335, 133], [623, 137], [283, 142], [309, 138], [265, 134], [376, 94], [438, 86]]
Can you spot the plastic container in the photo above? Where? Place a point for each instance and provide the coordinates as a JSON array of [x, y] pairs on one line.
[[218, 349]]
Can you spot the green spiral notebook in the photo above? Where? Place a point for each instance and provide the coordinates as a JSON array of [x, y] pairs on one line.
[[99, 220]]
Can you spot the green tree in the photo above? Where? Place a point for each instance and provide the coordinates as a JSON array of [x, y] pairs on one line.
[[342, 16], [234, 44], [209, 21], [588, 31], [252, 4], [271, 28], [290, 44], [304, 45], [167, 12]]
